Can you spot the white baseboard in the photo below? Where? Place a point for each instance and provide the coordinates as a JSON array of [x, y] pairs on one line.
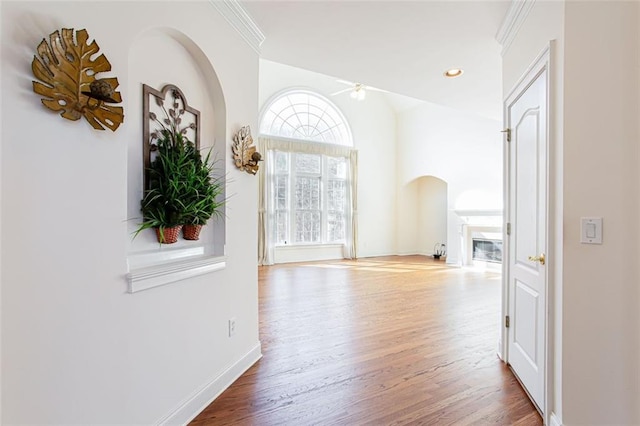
[[405, 253], [363, 254], [197, 402], [553, 420]]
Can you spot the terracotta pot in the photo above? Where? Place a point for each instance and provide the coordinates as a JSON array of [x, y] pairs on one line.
[[191, 232], [168, 235]]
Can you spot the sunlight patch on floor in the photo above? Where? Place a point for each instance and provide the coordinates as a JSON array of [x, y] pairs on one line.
[[377, 266], [356, 263], [329, 266], [382, 269]]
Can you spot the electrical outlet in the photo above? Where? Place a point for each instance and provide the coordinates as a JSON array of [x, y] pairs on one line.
[[232, 326]]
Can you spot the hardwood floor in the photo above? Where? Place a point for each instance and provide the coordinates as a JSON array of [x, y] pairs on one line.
[[378, 341]]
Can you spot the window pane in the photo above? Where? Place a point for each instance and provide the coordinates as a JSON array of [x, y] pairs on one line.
[[308, 227], [282, 162], [315, 113], [304, 132], [333, 135], [308, 163], [307, 193], [298, 98], [276, 126], [282, 223], [280, 104], [335, 226], [337, 167], [336, 196], [286, 129], [282, 192], [322, 127]]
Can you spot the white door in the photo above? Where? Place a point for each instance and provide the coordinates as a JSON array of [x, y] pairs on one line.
[[526, 116]]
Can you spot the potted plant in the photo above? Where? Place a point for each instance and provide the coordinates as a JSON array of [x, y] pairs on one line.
[[439, 250], [205, 192], [182, 191], [164, 203]]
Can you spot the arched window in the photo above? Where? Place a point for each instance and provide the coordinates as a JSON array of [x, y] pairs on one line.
[[304, 115], [307, 189]]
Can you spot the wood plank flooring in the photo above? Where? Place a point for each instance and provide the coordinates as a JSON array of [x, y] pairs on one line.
[[378, 341]]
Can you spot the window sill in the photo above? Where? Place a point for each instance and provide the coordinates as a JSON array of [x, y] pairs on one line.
[[158, 275], [308, 246]]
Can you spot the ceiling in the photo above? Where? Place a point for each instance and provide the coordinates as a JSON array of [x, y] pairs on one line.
[[400, 46]]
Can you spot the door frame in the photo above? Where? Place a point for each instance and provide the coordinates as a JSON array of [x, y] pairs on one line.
[[542, 62]]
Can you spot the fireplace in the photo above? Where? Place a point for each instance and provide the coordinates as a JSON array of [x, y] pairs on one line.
[[476, 225], [487, 250]]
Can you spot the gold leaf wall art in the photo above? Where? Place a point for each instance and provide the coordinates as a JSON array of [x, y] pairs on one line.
[[68, 81], [244, 152]]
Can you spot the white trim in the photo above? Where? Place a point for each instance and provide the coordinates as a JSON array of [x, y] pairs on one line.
[[541, 64], [291, 254], [308, 246], [554, 420], [199, 400], [512, 21], [238, 17], [166, 273], [536, 66], [554, 249]]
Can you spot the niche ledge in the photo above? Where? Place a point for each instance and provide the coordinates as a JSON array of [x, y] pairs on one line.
[[140, 279]]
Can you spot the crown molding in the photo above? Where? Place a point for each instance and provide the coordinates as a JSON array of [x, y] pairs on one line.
[[512, 21], [238, 17]]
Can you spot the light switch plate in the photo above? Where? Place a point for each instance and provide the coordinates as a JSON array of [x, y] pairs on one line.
[[591, 230]]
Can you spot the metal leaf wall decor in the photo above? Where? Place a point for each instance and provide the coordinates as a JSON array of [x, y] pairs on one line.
[[156, 117], [68, 80], [244, 152]]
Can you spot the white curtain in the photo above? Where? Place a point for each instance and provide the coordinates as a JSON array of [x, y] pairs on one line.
[[267, 146], [351, 221], [266, 244]]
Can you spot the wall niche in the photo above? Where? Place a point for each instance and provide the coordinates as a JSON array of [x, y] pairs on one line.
[[156, 58]]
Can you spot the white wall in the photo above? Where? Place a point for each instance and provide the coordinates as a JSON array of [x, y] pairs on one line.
[[1, 270], [460, 148], [407, 202], [372, 123], [76, 348], [601, 368], [432, 214]]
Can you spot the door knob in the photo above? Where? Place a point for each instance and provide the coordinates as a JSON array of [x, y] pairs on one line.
[[537, 259]]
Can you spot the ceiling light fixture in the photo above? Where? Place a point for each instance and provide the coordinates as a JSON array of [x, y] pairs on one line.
[[453, 73], [358, 92]]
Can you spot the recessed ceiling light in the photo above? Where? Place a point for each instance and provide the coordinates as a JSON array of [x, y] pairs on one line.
[[453, 72]]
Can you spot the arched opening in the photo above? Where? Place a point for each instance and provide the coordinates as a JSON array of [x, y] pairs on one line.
[[432, 213]]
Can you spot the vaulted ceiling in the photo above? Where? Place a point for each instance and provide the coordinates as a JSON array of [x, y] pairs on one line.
[[400, 46]]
